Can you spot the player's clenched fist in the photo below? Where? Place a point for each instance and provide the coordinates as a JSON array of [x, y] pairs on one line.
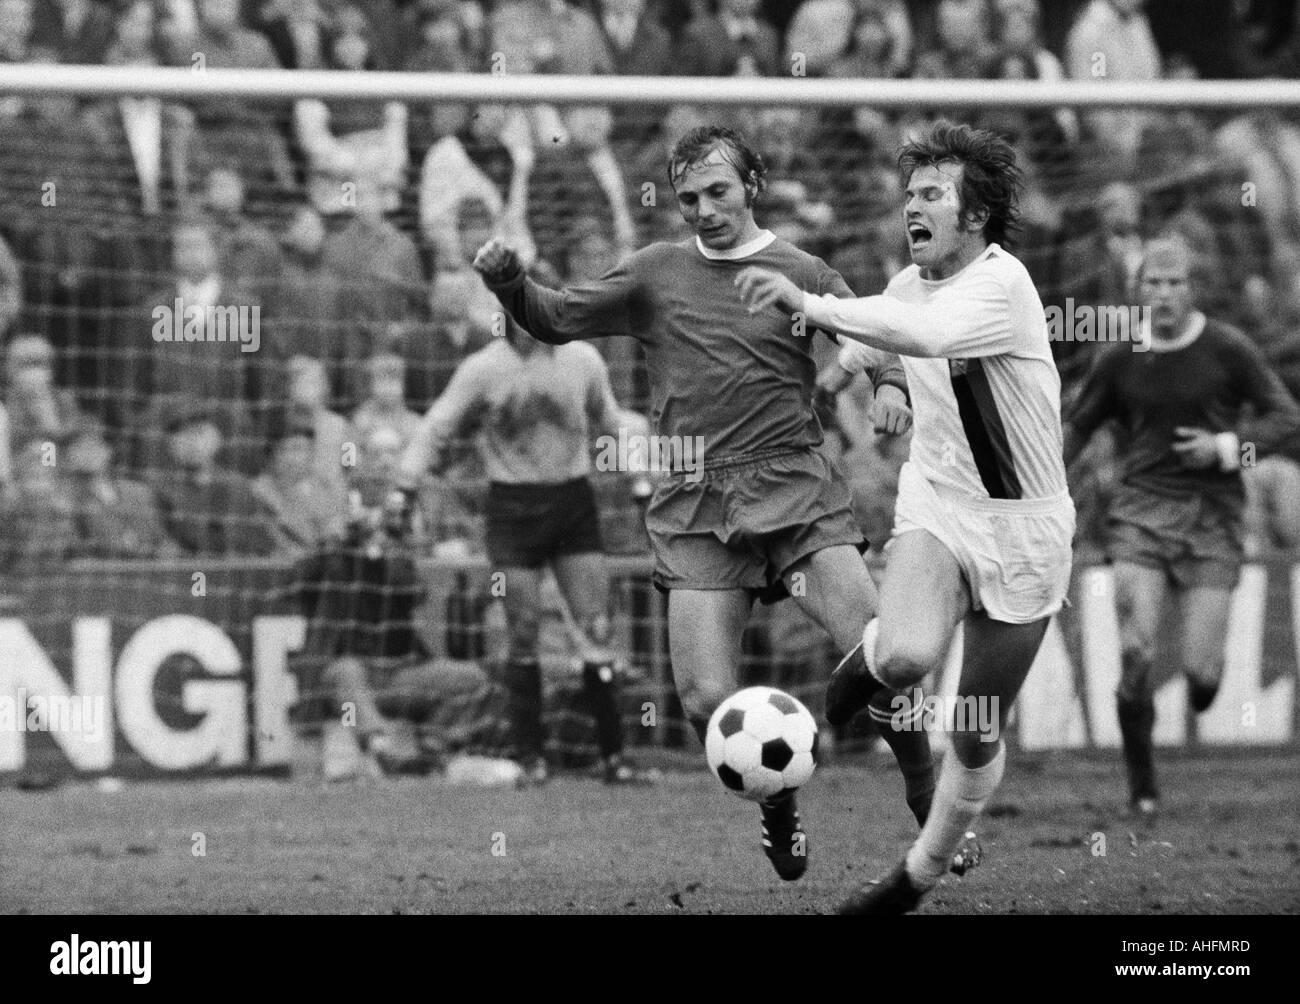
[[889, 412], [761, 288], [496, 261]]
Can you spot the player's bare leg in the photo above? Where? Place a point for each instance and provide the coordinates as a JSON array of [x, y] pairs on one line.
[[523, 673], [584, 583], [834, 587], [996, 657], [1139, 599], [1204, 614], [922, 600], [704, 632]]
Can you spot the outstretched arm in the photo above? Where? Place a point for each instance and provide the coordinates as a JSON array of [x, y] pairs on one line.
[[981, 327], [457, 406], [591, 310]]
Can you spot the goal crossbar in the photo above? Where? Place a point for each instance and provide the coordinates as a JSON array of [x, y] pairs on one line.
[[197, 82]]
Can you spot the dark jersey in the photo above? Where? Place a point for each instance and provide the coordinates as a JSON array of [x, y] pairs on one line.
[[1206, 384], [742, 382]]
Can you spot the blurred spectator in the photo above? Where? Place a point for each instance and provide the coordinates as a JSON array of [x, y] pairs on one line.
[[207, 509], [733, 42], [234, 132], [38, 410], [962, 48], [296, 30], [1265, 147], [145, 140], [38, 515], [456, 171], [841, 37], [1100, 262], [1023, 56], [115, 517], [6, 458], [1112, 40], [247, 254], [352, 144], [385, 403], [443, 45], [304, 509], [336, 445], [11, 289], [15, 45], [637, 44], [307, 304], [72, 31], [366, 646], [379, 271]]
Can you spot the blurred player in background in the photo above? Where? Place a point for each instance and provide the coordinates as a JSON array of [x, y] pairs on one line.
[[983, 521], [755, 509], [1175, 521], [535, 406]]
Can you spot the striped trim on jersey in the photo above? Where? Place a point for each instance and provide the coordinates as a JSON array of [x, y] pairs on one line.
[[984, 430]]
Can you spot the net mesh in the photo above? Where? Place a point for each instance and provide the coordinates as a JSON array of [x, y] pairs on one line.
[[332, 240]]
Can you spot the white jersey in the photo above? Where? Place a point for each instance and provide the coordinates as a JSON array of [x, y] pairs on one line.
[[986, 396]]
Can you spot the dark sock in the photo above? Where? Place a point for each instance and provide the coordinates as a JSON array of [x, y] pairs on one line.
[[602, 698], [862, 688], [523, 678], [1137, 718], [1202, 694], [700, 723], [911, 749]]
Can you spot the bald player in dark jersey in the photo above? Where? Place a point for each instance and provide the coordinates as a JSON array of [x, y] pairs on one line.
[[1175, 521], [766, 513]]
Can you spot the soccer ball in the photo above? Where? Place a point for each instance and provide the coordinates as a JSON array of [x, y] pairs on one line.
[[760, 742]]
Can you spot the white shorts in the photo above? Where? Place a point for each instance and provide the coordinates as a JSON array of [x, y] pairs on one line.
[[1015, 553]]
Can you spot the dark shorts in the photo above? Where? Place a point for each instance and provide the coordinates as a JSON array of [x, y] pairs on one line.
[[529, 525], [1196, 541], [746, 521]]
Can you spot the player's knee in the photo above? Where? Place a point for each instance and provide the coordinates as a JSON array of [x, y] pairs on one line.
[[973, 748], [904, 663], [701, 697]]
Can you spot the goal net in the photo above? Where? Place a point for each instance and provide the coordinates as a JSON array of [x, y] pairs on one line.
[[226, 298]]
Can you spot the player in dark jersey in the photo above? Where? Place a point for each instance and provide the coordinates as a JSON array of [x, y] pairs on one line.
[[1175, 521], [761, 511]]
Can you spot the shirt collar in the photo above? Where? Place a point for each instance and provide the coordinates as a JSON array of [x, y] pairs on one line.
[[764, 238], [1195, 325]]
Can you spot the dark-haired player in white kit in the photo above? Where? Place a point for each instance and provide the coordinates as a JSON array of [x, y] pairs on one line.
[[984, 522], [1175, 517], [768, 511]]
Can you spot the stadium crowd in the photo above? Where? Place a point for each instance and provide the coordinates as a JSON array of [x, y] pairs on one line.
[[350, 225]]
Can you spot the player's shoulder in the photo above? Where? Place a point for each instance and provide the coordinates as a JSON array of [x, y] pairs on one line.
[[1000, 263], [1228, 336]]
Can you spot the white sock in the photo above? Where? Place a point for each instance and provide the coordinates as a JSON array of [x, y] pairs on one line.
[[959, 797]]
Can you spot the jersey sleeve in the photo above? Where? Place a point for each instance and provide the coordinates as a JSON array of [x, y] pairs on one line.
[[1276, 419], [591, 310], [960, 322], [884, 368]]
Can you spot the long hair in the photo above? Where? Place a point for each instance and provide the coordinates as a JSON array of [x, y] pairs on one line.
[[701, 141], [991, 181]]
